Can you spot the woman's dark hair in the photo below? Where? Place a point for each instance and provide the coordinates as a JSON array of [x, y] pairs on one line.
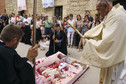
[[97, 21], [98, 16], [57, 25], [79, 16], [65, 18], [71, 15], [85, 17], [59, 18]]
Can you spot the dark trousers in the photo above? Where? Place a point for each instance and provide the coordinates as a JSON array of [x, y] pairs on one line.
[[38, 35], [27, 34], [77, 37], [47, 31]]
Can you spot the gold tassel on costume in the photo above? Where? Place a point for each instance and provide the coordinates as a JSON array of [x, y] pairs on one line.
[[117, 5], [102, 76]]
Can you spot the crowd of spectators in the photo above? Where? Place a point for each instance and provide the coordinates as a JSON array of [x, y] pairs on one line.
[[45, 26]]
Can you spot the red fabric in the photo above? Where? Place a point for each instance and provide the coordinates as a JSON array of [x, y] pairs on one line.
[[39, 72], [66, 68], [56, 66], [64, 23]]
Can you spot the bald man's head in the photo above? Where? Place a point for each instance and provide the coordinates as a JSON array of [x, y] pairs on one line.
[[103, 7], [104, 2]]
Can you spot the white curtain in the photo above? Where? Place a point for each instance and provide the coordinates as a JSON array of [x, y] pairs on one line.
[[47, 3], [21, 4]]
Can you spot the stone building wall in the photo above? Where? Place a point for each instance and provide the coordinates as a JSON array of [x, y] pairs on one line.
[[2, 6], [69, 6], [11, 6], [79, 6]]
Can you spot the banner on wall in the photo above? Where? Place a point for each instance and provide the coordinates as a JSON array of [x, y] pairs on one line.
[[47, 3], [21, 4]]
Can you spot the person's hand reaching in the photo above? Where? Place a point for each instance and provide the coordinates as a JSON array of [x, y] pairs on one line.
[[32, 53]]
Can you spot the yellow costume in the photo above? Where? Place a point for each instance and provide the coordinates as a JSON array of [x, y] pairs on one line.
[[106, 46]]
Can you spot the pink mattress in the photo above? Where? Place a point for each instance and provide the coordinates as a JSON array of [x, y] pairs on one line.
[[71, 76]]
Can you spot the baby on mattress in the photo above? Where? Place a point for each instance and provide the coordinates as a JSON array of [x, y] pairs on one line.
[[51, 74], [68, 60], [56, 70], [52, 64]]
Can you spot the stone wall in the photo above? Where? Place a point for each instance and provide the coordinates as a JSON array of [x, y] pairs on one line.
[[79, 6], [50, 11], [2, 6], [11, 6], [69, 6]]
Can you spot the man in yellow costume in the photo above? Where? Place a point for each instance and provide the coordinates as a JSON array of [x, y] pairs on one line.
[[105, 44]]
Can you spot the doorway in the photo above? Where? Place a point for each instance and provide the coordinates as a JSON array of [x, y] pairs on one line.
[[21, 12], [58, 11]]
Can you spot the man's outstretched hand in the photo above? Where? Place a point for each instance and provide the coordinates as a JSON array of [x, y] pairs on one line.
[[32, 52]]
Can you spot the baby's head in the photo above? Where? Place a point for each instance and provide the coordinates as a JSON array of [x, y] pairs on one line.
[[60, 56], [56, 62]]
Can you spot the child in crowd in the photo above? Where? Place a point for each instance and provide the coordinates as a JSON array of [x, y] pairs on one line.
[[45, 43]]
